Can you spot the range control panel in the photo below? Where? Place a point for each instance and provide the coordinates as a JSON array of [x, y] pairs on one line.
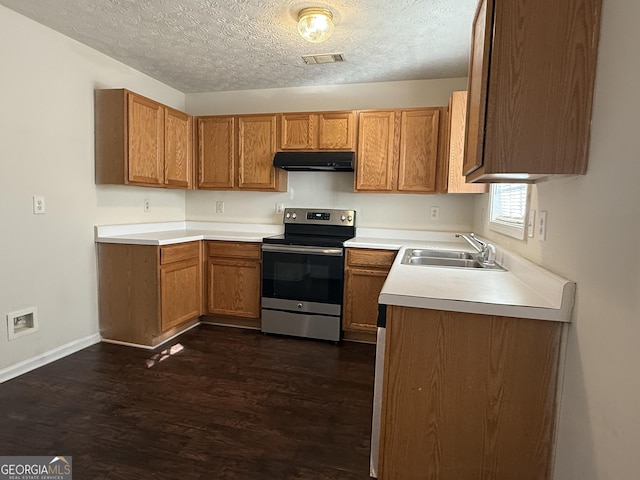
[[310, 216]]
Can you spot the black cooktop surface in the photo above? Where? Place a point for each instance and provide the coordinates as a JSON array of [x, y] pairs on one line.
[[307, 240]]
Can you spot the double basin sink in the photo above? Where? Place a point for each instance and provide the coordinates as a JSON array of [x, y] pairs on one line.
[[445, 258]]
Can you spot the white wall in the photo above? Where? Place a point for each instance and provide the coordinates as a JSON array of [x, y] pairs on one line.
[[332, 190], [592, 238], [47, 142]]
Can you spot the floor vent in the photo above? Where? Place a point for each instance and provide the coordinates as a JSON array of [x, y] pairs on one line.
[[324, 58]]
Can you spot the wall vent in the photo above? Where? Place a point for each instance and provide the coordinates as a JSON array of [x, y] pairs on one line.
[[324, 58]]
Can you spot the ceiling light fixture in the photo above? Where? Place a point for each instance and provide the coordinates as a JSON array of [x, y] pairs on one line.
[[315, 24]]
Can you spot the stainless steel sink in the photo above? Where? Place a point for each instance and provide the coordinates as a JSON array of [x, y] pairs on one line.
[[422, 252], [442, 258]]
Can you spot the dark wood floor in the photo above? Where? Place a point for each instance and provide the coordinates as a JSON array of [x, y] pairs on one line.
[[235, 404]]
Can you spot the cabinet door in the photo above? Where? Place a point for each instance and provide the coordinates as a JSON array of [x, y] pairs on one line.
[[457, 127], [419, 139], [478, 86], [180, 288], [468, 396], [145, 142], [298, 131], [233, 287], [256, 148], [177, 150], [336, 131], [362, 288], [375, 166], [216, 152]]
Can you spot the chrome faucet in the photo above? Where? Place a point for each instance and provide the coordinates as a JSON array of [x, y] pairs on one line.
[[486, 250]]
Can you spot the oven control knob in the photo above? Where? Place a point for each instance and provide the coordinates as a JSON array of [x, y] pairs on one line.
[[349, 218], [294, 215], [288, 215], [300, 305], [343, 218]]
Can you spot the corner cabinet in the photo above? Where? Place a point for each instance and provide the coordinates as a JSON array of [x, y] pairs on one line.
[[148, 293], [318, 131], [234, 279], [531, 81], [141, 142], [401, 151], [236, 152], [365, 272], [468, 396]]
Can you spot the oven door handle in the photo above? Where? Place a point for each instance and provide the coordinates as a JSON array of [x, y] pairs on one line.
[[332, 252]]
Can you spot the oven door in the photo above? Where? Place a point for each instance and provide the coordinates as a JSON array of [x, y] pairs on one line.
[[303, 274], [302, 291]]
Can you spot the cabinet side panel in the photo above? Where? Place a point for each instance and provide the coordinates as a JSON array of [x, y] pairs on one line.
[[457, 128], [541, 86], [468, 396], [128, 292], [110, 142]]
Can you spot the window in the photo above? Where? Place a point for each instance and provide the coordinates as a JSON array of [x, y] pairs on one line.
[[508, 210]]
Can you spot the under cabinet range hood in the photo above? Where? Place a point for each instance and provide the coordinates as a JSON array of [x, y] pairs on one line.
[[315, 161]]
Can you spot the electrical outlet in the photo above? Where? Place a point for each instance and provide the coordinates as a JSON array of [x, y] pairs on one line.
[[542, 226], [146, 205], [279, 207], [219, 207], [435, 213], [39, 207]]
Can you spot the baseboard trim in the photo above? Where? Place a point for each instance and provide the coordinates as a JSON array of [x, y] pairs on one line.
[[62, 351], [150, 347]]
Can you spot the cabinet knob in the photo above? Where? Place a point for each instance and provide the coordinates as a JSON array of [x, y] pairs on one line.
[[300, 305], [349, 218], [343, 218], [294, 215]]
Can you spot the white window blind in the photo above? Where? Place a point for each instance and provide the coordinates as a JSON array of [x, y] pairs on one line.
[[509, 208]]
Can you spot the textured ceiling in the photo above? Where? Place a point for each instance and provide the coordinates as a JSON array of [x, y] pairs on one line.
[[208, 45]]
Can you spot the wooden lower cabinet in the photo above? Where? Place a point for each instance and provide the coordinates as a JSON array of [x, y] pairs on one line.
[[468, 396], [365, 273], [148, 293], [234, 279]]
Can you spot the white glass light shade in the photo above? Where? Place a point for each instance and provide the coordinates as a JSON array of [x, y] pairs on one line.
[[315, 24]]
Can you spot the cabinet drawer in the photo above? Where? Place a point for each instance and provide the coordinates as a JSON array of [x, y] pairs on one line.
[[234, 250], [179, 251], [370, 258]]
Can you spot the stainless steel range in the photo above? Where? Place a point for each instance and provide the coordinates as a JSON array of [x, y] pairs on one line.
[[303, 273]]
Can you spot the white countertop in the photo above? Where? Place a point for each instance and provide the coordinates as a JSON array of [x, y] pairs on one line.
[[525, 290], [168, 233]]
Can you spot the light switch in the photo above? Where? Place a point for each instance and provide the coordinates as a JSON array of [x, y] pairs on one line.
[[542, 226], [531, 225]]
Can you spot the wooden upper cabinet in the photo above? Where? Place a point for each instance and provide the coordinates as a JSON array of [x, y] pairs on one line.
[[257, 145], [297, 131], [531, 82], [178, 160], [376, 144], [336, 130], [400, 151], [478, 77], [419, 142], [145, 141], [216, 152], [456, 129], [317, 131], [141, 142], [236, 152]]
